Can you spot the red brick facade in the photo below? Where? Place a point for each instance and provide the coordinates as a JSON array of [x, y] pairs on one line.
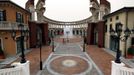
[[33, 38], [44, 28], [90, 33], [95, 28], [33, 33], [101, 28]]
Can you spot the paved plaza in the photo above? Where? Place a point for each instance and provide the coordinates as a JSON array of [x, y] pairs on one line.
[[69, 59]]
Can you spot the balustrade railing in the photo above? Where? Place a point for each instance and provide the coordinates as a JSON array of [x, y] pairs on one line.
[[18, 69], [11, 71], [5, 25], [125, 71], [121, 69]]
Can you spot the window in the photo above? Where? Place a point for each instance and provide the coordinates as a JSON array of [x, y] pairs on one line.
[[117, 17], [2, 15], [1, 43], [110, 19], [132, 43], [18, 42], [106, 20], [19, 17], [110, 26], [105, 28]]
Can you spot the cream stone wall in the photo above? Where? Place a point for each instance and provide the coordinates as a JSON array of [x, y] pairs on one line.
[[122, 19]]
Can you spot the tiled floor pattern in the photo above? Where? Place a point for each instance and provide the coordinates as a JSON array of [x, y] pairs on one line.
[[68, 59]]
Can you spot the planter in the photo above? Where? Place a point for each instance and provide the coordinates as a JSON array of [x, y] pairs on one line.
[[129, 56], [2, 56], [130, 52]]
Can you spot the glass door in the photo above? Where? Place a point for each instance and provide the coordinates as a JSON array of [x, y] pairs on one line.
[[18, 42], [113, 44]]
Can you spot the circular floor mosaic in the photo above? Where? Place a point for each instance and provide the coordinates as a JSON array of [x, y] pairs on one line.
[[68, 65]]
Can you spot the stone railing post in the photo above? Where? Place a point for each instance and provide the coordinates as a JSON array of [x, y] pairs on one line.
[[25, 67], [116, 67]]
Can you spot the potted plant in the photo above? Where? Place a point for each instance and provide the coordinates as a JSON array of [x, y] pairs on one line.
[[1, 54], [130, 52]]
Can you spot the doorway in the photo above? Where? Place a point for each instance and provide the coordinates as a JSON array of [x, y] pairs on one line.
[[1, 44], [18, 42], [113, 44]]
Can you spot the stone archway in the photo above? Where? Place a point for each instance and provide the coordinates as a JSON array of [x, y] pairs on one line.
[[97, 9]]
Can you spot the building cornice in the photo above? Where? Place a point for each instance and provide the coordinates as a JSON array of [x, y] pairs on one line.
[[12, 3], [87, 20], [124, 9]]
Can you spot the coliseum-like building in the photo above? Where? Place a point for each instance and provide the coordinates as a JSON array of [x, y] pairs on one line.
[[92, 27]]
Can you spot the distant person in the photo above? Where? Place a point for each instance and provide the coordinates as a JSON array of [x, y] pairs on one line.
[[64, 41]]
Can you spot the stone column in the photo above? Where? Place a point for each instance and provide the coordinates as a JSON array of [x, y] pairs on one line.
[[74, 32], [79, 32]]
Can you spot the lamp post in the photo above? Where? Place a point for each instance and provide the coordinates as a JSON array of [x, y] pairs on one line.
[[52, 40], [24, 33], [52, 43], [40, 46], [84, 42], [116, 34], [40, 57], [67, 36]]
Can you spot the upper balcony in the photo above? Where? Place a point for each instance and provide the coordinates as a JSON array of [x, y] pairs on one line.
[[5, 25]]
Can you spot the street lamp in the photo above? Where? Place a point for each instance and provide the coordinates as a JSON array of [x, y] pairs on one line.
[[40, 57], [24, 33], [84, 41], [116, 34], [52, 41], [67, 36], [39, 43]]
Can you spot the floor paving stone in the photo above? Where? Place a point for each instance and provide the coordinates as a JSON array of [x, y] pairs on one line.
[[101, 58], [93, 54], [34, 58], [69, 50]]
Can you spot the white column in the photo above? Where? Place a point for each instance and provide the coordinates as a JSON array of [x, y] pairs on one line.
[[74, 32], [79, 32], [82, 32]]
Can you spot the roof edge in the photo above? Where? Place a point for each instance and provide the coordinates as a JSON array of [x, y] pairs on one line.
[[124, 9], [15, 5]]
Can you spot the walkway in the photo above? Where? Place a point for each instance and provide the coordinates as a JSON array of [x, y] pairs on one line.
[[34, 57], [69, 59], [101, 58], [73, 52]]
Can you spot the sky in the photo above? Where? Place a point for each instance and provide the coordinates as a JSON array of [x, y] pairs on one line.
[[73, 10]]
